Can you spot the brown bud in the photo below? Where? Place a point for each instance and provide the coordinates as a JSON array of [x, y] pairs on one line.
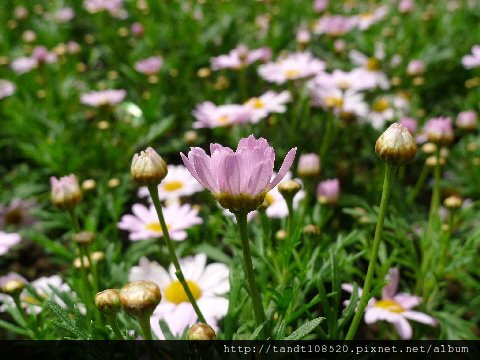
[[84, 238], [140, 297], [148, 167], [108, 301], [201, 331], [396, 145]]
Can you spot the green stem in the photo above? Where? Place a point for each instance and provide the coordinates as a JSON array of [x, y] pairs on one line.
[[258, 310], [153, 189], [112, 321], [144, 321], [387, 186], [289, 201], [73, 215], [419, 185], [23, 314], [326, 140]]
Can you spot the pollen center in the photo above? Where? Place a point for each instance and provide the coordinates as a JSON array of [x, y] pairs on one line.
[[223, 119], [156, 227], [372, 64], [390, 305], [176, 294], [292, 73], [333, 102], [380, 105], [269, 199], [257, 103], [173, 185]]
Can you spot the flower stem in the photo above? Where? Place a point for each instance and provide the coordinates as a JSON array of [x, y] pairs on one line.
[[112, 321], [144, 321], [327, 137], [387, 186], [153, 190], [258, 310], [419, 185]]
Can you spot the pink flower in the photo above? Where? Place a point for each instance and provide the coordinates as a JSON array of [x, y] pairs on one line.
[[328, 191], [439, 130], [208, 115], [335, 25], [320, 5], [137, 29], [102, 98], [24, 64], [114, 7], [365, 20], [415, 68], [406, 6], [62, 15], [73, 47], [65, 191], [144, 224], [394, 307], [7, 88], [149, 66], [270, 102], [344, 80], [43, 56], [7, 240], [308, 165], [410, 124], [291, 67], [240, 57], [239, 180], [467, 119], [473, 60]]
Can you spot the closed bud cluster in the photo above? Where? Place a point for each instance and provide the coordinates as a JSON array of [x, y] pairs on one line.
[[84, 238], [65, 192], [148, 168], [108, 301], [13, 287], [201, 331], [140, 298], [396, 145]]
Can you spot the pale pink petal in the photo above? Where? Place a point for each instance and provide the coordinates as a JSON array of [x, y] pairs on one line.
[[393, 278], [403, 328], [407, 301], [420, 317], [287, 163]]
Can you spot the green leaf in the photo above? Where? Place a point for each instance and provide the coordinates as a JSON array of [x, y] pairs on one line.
[[305, 329], [13, 328], [166, 330]]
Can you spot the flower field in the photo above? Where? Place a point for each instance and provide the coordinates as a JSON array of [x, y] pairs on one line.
[[286, 170]]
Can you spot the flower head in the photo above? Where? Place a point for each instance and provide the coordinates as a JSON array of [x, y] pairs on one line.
[[396, 145], [308, 165], [473, 60], [394, 307], [240, 57], [7, 88], [66, 191], [148, 167], [108, 301], [149, 66], [7, 240], [201, 331], [439, 130], [103, 98], [291, 67], [144, 224], [208, 284], [239, 180], [335, 25], [467, 120], [328, 191], [140, 297], [270, 102], [208, 115], [178, 183], [17, 213]]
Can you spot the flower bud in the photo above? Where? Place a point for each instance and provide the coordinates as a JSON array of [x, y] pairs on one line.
[[108, 301], [66, 191], [98, 256], [13, 287], [148, 168], [453, 202], [281, 235], [396, 145], [84, 238], [77, 263], [431, 161], [140, 297], [308, 165], [201, 331], [289, 188], [89, 184], [311, 229], [429, 148], [439, 130], [467, 120], [328, 191]]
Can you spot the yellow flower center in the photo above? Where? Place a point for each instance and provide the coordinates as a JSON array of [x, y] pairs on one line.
[[176, 294], [172, 185], [156, 227], [256, 103], [380, 105], [366, 16], [223, 119], [372, 64], [30, 300], [292, 73], [333, 102], [269, 199], [390, 305]]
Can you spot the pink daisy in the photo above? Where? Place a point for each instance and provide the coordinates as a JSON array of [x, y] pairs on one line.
[[209, 115]]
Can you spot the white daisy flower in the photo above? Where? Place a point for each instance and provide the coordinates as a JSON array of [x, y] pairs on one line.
[[177, 183], [208, 283]]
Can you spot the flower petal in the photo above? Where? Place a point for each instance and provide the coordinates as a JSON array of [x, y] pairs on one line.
[[420, 317], [403, 328], [287, 163]]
